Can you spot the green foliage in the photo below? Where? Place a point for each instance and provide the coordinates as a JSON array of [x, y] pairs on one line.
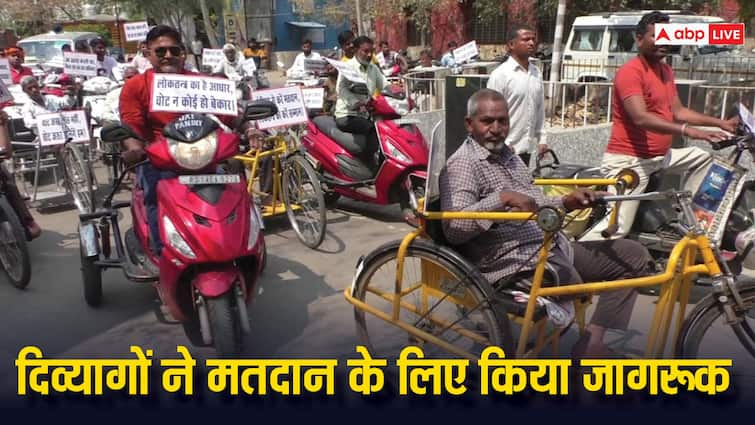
[[100, 29]]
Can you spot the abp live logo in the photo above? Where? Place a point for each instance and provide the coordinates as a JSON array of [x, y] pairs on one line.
[[699, 34]]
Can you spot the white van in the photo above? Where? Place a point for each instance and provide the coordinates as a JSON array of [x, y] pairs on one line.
[[600, 43]]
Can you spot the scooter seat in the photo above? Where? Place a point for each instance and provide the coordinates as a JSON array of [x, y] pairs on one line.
[[353, 143]]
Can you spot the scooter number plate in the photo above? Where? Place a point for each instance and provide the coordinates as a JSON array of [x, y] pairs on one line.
[[209, 179]]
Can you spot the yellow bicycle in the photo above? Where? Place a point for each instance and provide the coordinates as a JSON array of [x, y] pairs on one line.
[[294, 187]]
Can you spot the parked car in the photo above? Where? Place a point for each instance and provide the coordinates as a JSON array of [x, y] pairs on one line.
[[43, 48]]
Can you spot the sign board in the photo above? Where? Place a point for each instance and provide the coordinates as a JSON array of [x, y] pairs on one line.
[[5, 76], [249, 66], [188, 93], [5, 95], [314, 65], [346, 71], [230, 28], [84, 64], [291, 109], [56, 128], [314, 97], [466, 52], [211, 57], [136, 31]]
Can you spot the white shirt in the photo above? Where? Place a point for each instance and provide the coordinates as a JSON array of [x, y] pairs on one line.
[[298, 67], [387, 62], [523, 89], [106, 66], [31, 109], [346, 102], [141, 63]]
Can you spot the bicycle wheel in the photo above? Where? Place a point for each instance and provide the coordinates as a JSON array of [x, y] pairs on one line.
[[706, 334], [78, 178], [14, 254], [304, 201], [449, 300]]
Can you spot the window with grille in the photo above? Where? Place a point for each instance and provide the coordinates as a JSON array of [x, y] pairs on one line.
[[491, 32], [416, 36]]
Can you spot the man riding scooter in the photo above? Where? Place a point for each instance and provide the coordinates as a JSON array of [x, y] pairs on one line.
[[163, 43]]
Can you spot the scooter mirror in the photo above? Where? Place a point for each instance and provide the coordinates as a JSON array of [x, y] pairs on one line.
[[259, 110], [116, 133]]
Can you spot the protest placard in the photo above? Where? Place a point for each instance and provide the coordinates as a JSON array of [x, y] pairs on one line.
[[466, 52], [211, 57], [5, 72], [290, 102], [5, 95], [249, 66], [187, 93], [313, 97], [347, 71], [56, 128], [83, 64], [136, 31], [314, 65]]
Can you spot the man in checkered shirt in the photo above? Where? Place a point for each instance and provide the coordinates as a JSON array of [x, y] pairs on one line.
[[485, 175]]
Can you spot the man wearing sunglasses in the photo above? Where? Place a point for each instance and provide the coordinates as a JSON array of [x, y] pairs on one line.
[[164, 51]]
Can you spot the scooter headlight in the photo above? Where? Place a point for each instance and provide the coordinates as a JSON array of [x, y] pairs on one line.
[[194, 156], [176, 240], [393, 151], [254, 227]]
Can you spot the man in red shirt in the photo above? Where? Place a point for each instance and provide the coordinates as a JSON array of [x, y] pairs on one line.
[[15, 57], [647, 113], [164, 53]]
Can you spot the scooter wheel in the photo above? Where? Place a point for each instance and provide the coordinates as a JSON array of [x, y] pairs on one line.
[[226, 332]]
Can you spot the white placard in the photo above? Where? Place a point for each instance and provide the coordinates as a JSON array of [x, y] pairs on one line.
[[5, 76], [347, 71], [466, 52], [136, 31], [249, 66], [5, 95], [211, 57], [56, 128], [84, 64], [188, 93], [290, 102], [313, 97], [314, 65]]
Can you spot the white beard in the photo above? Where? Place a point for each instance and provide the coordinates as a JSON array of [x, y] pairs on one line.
[[495, 147]]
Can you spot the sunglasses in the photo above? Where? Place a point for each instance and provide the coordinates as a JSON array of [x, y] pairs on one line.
[[160, 52]]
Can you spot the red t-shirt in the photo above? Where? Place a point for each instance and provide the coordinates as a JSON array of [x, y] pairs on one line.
[[16, 75], [134, 107], [657, 88]]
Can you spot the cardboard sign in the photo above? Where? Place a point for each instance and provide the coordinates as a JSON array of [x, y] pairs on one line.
[[5, 95], [56, 128], [291, 109], [211, 57], [83, 64], [314, 65], [249, 66], [347, 72], [188, 93], [313, 97], [5, 76], [136, 31], [466, 52]]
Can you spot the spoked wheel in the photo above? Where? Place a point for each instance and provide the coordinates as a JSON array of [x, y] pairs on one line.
[[706, 333], [226, 332], [14, 255], [304, 201], [444, 297], [78, 178]]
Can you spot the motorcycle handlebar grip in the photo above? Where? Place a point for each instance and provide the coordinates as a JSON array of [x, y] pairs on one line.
[[610, 231], [724, 144]]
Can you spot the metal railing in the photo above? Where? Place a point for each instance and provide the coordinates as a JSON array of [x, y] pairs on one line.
[[427, 88], [569, 105]]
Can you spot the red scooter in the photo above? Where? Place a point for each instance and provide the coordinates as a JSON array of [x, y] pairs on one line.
[[213, 249], [399, 172]]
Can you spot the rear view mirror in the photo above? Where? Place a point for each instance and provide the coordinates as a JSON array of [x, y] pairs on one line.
[[259, 110], [117, 133]]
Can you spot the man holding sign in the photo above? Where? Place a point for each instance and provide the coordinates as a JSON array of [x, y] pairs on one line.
[[43, 104], [351, 112], [165, 55], [298, 69]]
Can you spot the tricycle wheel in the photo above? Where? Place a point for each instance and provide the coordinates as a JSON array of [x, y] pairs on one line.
[[92, 278]]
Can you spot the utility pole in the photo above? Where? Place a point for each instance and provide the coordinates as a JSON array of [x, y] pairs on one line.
[[359, 18], [557, 50]]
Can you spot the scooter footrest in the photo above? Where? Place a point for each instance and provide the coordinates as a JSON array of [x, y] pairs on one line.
[[137, 273], [138, 267]]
